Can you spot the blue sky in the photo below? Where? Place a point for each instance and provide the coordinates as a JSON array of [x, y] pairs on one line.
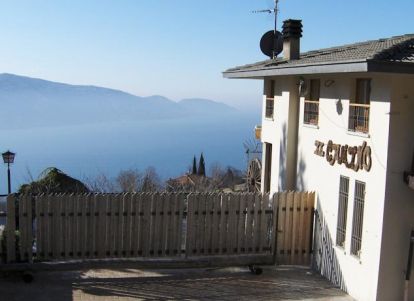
[[174, 48]]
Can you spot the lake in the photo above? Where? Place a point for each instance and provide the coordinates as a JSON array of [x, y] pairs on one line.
[[87, 150]]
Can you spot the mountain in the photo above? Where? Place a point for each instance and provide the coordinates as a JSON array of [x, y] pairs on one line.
[[31, 102], [87, 130]]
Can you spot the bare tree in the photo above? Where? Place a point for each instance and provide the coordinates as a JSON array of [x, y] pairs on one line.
[[130, 180], [151, 181], [100, 183]]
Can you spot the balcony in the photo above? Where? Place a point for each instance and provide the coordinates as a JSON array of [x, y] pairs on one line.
[[358, 118], [311, 112], [258, 132]]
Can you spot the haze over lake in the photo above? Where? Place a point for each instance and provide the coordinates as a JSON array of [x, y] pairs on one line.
[[85, 130]]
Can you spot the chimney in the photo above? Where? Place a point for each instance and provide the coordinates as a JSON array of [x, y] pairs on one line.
[[292, 32]]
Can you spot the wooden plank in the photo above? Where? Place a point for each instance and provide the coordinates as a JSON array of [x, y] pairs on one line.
[[101, 226], [68, 226], [264, 224], [117, 225], [166, 223], [181, 234], [155, 224], [223, 224], [29, 211], [241, 231], [94, 211], [78, 199], [146, 224], [161, 227], [49, 227], [44, 237], [87, 224], [234, 200], [281, 227], [136, 234], [288, 225], [201, 223], [126, 246], [249, 223], [55, 225], [84, 225], [308, 225], [120, 220], [112, 225], [38, 225], [295, 227], [275, 208], [190, 227], [256, 223], [172, 226], [215, 231], [301, 229], [208, 248], [22, 226], [11, 228], [58, 227]]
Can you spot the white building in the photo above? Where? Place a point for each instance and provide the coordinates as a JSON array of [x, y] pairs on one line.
[[340, 121]]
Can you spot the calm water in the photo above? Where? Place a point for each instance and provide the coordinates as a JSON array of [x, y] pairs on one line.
[[87, 150]]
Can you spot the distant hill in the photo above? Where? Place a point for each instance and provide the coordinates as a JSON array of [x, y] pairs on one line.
[[30, 102]]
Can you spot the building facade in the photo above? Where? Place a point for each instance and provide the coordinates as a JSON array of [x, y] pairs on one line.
[[340, 122]]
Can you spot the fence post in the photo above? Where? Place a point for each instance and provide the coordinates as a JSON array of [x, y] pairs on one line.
[[11, 228]]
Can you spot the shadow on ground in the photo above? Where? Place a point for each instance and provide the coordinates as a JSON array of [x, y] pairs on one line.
[[283, 283]]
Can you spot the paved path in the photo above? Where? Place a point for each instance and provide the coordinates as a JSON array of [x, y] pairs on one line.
[[283, 283]]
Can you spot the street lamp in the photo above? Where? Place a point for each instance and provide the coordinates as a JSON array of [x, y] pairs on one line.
[[8, 158]]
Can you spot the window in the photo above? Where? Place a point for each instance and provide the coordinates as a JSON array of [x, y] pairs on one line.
[[268, 166], [359, 108], [342, 211], [311, 112], [270, 95], [358, 218]]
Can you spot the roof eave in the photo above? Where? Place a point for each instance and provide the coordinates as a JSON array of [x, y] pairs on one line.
[[325, 68], [322, 68]]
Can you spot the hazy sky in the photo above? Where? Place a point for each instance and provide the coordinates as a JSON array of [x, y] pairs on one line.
[[174, 48]]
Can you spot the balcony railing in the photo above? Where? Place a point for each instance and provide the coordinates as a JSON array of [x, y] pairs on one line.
[[269, 107], [358, 117], [311, 112]]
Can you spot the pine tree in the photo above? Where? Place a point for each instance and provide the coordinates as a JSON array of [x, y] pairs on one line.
[[194, 166], [201, 166]]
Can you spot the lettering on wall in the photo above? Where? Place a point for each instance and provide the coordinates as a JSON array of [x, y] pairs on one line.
[[353, 157]]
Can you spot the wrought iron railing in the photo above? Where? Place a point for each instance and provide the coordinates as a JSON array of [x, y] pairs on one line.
[[359, 117], [311, 112], [269, 107]]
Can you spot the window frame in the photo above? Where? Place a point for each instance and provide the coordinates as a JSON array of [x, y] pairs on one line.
[[359, 107], [270, 99], [358, 218], [342, 218], [311, 102]]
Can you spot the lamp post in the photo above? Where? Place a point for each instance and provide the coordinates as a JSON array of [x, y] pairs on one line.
[[8, 158]]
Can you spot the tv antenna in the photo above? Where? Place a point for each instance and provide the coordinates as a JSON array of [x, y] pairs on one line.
[[275, 11], [271, 42]]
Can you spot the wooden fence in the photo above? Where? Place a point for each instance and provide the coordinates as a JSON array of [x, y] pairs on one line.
[[295, 227], [160, 225]]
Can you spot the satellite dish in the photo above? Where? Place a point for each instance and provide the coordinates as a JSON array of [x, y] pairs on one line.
[[271, 44]]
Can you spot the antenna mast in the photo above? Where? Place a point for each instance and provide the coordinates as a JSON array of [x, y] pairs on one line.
[[275, 11]]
